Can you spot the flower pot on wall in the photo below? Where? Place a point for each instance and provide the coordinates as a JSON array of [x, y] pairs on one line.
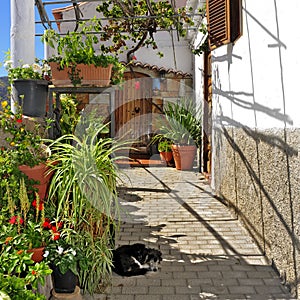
[[184, 156], [32, 95], [38, 173]]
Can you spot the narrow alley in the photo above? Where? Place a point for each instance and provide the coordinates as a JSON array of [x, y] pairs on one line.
[[207, 254]]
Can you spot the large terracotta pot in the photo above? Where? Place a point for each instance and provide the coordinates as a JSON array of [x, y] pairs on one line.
[[90, 75], [184, 156], [38, 173]]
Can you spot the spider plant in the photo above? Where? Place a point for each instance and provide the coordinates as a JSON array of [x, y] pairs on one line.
[[83, 189]]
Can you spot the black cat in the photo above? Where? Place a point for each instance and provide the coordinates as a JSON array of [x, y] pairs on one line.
[[136, 259]]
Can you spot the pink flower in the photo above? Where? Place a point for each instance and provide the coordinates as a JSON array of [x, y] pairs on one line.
[[137, 85]]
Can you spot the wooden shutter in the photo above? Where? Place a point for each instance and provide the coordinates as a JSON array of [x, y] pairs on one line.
[[224, 21]]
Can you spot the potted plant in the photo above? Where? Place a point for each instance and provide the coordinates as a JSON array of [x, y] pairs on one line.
[[20, 224], [165, 150], [65, 261], [23, 146], [26, 222], [183, 127], [78, 63], [31, 86], [83, 189]]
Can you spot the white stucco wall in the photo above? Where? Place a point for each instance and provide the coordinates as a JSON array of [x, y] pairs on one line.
[[255, 80], [256, 125], [177, 57]]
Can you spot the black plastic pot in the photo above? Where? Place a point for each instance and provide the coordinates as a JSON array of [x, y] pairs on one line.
[[63, 283], [35, 94]]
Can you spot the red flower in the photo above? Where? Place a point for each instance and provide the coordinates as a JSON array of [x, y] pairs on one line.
[[56, 236], [53, 228], [60, 224], [47, 224], [19, 120], [40, 205], [13, 220], [33, 272], [21, 221]]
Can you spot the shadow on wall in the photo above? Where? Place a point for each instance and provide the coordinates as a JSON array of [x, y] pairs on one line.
[[257, 171]]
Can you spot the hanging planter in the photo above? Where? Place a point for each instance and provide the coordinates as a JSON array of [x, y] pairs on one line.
[[32, 96]]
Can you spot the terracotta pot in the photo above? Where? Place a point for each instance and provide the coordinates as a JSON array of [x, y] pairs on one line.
[[37, 255], [60, 77], [184, 156], [38, 173], [94, 76], [90, 75], [166, 156]]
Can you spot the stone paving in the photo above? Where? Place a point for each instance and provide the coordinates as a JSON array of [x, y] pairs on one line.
[[207, 254]]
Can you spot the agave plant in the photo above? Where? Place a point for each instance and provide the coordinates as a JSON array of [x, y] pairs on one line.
[[183, 123]]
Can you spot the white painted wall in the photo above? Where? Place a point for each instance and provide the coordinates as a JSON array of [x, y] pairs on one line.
[[256, 80], [178, 57]]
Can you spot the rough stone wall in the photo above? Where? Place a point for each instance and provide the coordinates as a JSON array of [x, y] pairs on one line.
[[258, 173]]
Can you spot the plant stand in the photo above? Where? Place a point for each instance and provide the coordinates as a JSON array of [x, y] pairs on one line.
[[65, 296]]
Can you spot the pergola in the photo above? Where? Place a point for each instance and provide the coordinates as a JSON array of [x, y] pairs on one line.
[[23, 23]]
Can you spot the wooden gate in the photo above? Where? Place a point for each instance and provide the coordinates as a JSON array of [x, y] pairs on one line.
[[133, 104], [207, 115]]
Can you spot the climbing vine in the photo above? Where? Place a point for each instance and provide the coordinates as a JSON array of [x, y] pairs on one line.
[[129, 25]]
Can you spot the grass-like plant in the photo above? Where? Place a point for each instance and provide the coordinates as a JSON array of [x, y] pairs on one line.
[[83, 189]]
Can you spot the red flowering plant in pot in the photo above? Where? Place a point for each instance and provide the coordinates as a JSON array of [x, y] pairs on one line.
[[26, 223], [23, 148], [23, 227]]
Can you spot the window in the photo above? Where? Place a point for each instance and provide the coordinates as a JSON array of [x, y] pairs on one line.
[[224, 21]]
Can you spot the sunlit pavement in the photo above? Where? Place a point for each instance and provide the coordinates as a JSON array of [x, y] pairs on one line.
[[207, 254]]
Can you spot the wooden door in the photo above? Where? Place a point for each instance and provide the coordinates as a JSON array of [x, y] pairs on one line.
[[133, 105], [207, 115]]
